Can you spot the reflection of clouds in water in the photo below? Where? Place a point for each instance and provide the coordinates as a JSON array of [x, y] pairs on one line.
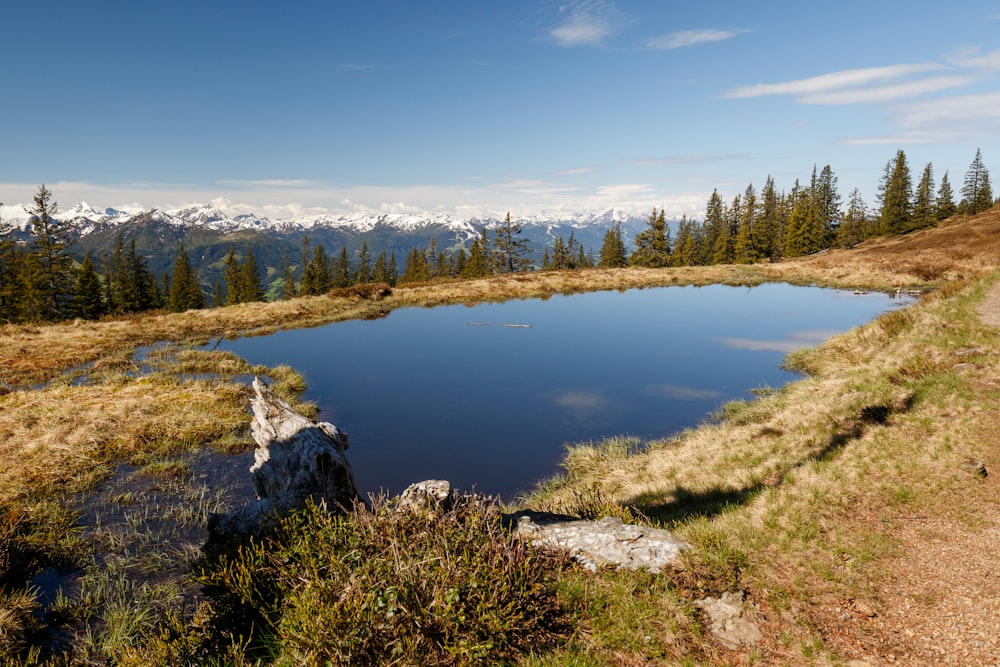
[[582, 400], [586, 408], [682, 393], [794, 341]]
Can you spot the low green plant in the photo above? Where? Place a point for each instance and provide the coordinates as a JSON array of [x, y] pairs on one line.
[[384, 586]]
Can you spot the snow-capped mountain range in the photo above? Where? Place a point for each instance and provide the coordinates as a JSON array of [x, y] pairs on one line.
[[85, 219]]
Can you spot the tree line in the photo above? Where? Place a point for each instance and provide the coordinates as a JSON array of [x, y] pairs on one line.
[[769, 225], [40, 281]]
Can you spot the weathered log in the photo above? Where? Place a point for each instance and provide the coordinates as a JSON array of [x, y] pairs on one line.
[[297, 459]]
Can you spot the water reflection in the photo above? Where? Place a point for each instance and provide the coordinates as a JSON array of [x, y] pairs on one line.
[[424, 395]]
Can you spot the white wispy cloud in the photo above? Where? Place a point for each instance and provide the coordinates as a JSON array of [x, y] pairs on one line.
[[587, 23], [889, 93], [683, 38], [832, 82], [575, 172], [910, 95]]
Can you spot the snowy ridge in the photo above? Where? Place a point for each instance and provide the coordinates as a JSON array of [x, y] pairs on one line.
[[85, 219]]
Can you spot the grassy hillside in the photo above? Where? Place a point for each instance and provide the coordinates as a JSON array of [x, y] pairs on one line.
[[850, 507]]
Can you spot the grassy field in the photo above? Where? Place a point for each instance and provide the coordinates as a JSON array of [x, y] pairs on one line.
[[799, 498]]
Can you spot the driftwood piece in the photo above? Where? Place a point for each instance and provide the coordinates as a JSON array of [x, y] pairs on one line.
[[296, 459]]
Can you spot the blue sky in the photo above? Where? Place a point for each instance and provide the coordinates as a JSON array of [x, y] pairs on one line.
[[473, 107]]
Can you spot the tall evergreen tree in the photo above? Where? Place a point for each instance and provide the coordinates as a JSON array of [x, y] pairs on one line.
[[895, 196], [718, 244], [945, 206], [825, 209], [977, 193], [744, 247], [855, 225], [652, 245], [380, 273], [364, 270], [416, 268], [49, 243], [88, 302], [613, 253], [480, 262], [511, 250], [767, 238], [8, 274], [797, 242], [185, 289], [924, 211], [342, 273]]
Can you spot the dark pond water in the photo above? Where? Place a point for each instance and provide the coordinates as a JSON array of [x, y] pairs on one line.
[[451, 393]]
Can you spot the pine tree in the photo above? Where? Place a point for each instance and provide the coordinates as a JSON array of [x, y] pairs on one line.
[[682, 252], [364, 270], [825, 209], [767, 239], [416, 269], [342, 270], [480, 263], [945, 206], [252, 286], [87, 301], [895, 195], [855, 225], [510, 249], [185, 289], [924, 211], [51, 238], [613, 254], [8, 274], [380, 273], [744, 250], [218, 299], [796, 234], [717, 240], [977, 194], [652, 245]]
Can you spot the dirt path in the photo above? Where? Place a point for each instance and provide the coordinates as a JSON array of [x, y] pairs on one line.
[[941, 603]]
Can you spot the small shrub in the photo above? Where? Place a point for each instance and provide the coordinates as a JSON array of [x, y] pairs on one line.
[[381, 586]]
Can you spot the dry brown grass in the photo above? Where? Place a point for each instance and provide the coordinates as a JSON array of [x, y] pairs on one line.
[[62, 438]]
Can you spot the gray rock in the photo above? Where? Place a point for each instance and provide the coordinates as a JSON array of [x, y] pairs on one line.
[[727, 622], [607, 542], [432, 496], [296, 460]]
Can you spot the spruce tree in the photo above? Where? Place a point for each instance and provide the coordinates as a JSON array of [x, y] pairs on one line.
[[49, 243], [380, 273], [8, 274], [895, 196], [88, 302], [613, 253], [854, 226], [185, 289], [652, 245], [744, 247], [924, 211], [767, 239], [510, 249], [945, 206], [825, 209], [479, 263], [342, 270], [253, 287], [977, 194], [364, 270]]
